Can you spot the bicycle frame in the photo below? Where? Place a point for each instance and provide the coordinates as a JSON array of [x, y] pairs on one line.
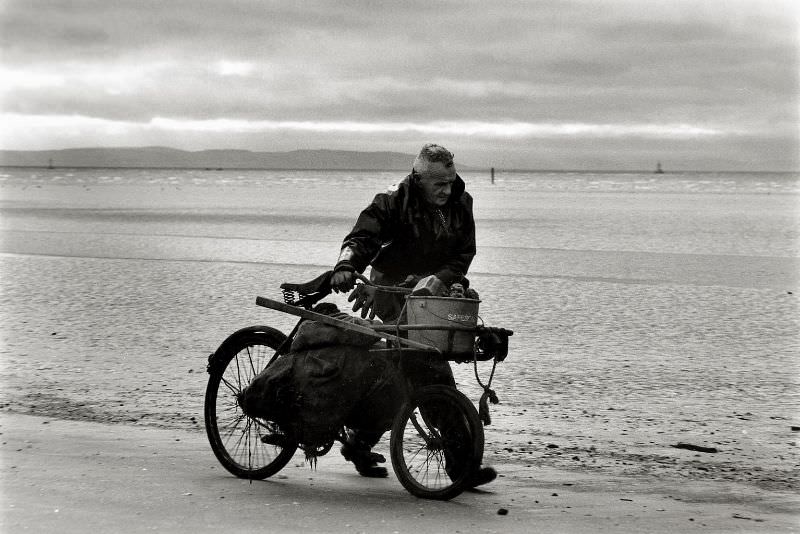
[[419, 444]]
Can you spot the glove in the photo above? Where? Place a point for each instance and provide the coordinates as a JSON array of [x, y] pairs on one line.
[[364, 297], [342, 281]]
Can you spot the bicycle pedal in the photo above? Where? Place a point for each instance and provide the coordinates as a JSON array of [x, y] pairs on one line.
[[278, 440]]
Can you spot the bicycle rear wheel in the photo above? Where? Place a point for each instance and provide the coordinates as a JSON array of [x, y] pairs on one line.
[[437, 443], [251, 448]]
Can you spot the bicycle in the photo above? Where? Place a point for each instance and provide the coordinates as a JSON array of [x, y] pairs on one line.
[[424, 447]]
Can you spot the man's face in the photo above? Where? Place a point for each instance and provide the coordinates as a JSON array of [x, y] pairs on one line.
[[437, 183]]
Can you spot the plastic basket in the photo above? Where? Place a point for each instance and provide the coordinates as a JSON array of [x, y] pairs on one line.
[[440, 320]]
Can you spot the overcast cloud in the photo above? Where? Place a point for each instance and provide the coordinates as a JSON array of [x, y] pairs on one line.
[[703, 84]]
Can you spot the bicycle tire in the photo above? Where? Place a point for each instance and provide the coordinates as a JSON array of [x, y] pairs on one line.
[[436, 443], [235, 438]]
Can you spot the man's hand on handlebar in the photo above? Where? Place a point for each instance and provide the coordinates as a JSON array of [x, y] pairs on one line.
[[364, 295], [343, 281]]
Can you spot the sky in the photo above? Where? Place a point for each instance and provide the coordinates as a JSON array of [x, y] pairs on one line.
[[550, 84]]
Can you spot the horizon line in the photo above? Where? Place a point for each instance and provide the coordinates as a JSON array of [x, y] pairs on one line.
[[465, 167], [384, 169]]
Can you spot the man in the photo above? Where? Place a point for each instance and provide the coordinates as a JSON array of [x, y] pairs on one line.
[[422, 227]]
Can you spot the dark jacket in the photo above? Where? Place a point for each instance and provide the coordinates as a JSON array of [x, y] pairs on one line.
[[399, 234]]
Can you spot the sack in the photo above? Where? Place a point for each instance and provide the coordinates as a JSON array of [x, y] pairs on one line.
[[313, 334], [271, 394], [340, 386], [323, 384]]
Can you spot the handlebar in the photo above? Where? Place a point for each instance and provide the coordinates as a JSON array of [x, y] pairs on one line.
[[387, 289], [309, 293]]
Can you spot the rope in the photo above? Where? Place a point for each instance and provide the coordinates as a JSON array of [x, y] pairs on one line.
[[488, 392]]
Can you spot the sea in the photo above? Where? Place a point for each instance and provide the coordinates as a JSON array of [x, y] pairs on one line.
[[648, 310]]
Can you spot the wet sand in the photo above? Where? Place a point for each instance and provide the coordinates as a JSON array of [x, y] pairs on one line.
[[110, 307]]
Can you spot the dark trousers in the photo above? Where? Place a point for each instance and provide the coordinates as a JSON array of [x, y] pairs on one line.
[[418, 369]]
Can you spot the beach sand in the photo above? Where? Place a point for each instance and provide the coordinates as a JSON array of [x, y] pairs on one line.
[[112, 298], [115, 478]]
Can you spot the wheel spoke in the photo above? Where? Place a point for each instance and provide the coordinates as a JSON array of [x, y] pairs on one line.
[[238, 371], [234, 427], [231, 386], [252, 366], [436, 443], [421, 431], [235, 438]]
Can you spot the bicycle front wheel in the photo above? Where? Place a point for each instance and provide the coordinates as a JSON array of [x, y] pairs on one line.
[[437, 443], [251, 448]]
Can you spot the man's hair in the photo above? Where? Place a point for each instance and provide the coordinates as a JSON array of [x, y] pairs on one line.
[[433, 152], [430, 153]]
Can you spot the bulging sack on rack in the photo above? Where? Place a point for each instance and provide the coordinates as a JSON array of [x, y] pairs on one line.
[[343, 385], [318, 387]]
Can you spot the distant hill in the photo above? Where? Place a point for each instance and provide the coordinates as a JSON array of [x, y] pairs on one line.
[[163, 157]]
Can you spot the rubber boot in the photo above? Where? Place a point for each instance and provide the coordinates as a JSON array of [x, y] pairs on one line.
[[484, 475], [356, 449]]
